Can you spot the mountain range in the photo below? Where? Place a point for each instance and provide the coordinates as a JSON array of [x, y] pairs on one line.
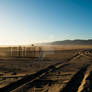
[[69, 42]]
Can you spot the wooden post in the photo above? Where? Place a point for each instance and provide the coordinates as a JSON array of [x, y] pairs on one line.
[[40, 53], [25, 51], [33, 50], [19, 51], [11, 53]]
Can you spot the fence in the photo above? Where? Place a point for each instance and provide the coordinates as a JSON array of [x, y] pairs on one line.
[[23, 51]]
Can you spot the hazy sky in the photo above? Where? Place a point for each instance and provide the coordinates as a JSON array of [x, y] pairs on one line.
[[30, 21]]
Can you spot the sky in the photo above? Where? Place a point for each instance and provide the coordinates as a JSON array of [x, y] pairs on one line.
[[34, 21]]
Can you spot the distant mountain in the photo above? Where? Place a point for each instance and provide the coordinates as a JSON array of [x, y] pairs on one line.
[[70, 42]]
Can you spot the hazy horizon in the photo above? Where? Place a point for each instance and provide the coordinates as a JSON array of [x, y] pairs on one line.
[[33, 21]]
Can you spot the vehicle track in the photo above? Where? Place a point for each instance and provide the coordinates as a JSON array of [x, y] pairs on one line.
[[31, 79], [87, 53], [74, 83], [88, 83]]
